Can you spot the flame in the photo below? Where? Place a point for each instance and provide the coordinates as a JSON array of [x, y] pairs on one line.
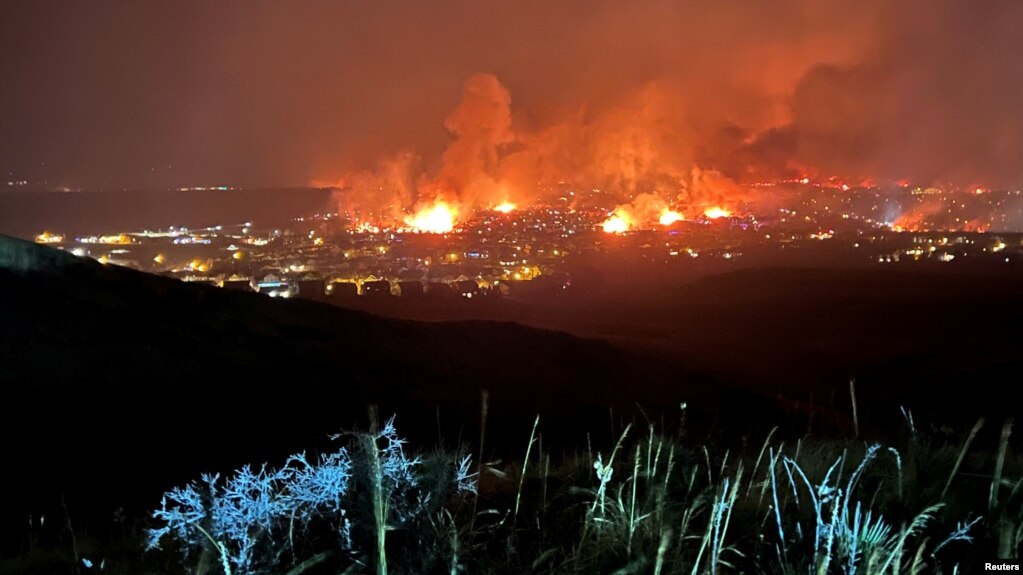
[[617, 224], [436, 219], [669, 217], [716, 212], [505, 207]]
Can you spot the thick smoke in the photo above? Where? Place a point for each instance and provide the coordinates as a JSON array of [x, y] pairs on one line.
[[925, 92], [640, 143], [481, 126], [936, 102], [380, 195], [641, 149]]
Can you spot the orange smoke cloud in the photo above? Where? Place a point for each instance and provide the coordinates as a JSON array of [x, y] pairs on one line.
[[381, 195], [710, 188], [480, 126], [640, 143], [915, 217], [642, 212], [700, 192]]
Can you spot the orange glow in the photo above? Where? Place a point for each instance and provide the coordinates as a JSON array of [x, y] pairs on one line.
[[669, 217], [617, 224], [49, 238], [716, 212], [436, 219], [505, 208]]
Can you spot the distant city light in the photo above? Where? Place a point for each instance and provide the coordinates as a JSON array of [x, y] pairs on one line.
[[505, 241]]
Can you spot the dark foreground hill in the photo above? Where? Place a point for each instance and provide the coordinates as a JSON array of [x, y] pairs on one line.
[[941, 339], [118, 383]]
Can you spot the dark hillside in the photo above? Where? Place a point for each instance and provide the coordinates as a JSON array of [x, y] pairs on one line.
[[116, 382]]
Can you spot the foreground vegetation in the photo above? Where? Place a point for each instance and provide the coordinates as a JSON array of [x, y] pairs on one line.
[[649, 503]]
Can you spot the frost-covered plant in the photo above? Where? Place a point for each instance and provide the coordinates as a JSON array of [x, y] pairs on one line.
[[234, 515], [398, 476], [182, 511], [465, 480], [318, 487], [252, 516]]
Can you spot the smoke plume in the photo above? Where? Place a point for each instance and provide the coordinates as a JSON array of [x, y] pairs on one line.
[[925, 92]]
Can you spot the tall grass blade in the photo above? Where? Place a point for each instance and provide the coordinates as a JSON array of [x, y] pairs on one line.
[[525, 465], [962, 455]]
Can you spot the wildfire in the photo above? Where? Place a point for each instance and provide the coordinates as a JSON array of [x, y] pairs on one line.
[[716, 212], [617, 224], [505, 208], [669, 217], [436, 219]]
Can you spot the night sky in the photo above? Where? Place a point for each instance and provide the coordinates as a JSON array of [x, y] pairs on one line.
[[163, 94]]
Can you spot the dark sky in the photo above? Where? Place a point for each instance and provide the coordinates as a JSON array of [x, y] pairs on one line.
[[165, 94]]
